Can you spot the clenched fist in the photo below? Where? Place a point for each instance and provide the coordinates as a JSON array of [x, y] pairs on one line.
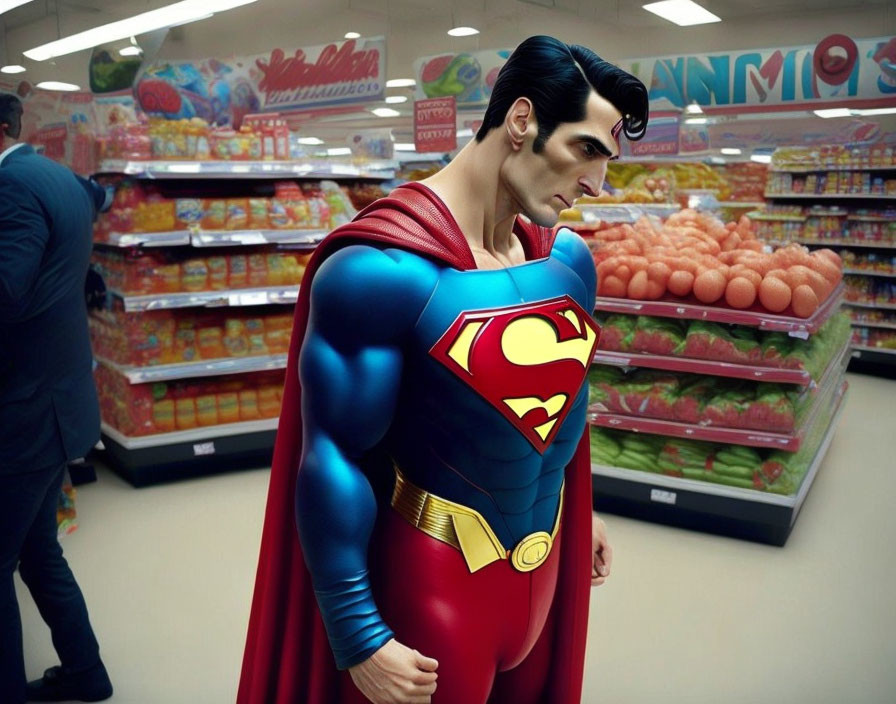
[[395, 674]]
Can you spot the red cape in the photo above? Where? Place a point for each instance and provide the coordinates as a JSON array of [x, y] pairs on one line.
[[288, 658]]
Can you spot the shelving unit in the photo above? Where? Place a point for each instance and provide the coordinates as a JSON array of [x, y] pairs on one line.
[[206, 446], [751, 514]]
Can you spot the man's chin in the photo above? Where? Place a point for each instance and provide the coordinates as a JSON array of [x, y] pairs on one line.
[[544, 218]]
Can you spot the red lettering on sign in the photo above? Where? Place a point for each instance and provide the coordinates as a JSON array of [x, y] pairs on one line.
[[332, 66]]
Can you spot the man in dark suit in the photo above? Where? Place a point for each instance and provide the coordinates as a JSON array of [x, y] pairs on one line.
[[49, 412]]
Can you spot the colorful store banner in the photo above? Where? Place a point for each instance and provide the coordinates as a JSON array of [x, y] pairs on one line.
[[838, 70], [468, 77], [435, 125], [662, 137], [223, 91]]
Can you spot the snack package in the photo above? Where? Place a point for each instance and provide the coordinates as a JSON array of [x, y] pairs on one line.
[[237, 213], [236, 340], [206, 410], [257, 270], [185, 413], [194, 275], [188, 212], [210, 342], [217, 273], [228, 407], [163, 415], [269, 402], [248, 404], [238, 275], [215, 217], [258, 213]]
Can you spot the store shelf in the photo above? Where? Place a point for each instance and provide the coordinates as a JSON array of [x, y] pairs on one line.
[[202, 368], [178, 238], [741, 204], [871, 272], [833, 196], [870, 218], [759, 217], [884, 326], [816, 169], [688, 309], [741, 513], [876, 306], [835, 243], [864, 352], [241, 238], [247, 169], [790, 442], [596, 213], [275, 295], [184, 454]]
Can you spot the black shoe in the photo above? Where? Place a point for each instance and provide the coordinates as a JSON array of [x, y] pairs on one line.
[[56, 685]]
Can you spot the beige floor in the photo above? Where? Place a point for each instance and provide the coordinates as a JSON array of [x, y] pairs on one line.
[[686, 617]]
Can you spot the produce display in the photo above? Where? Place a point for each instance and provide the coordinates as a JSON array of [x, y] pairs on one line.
[[865, 289], [143, 207], [170, 337], [148, 409], [872, 337], [744, 181], [698, 400], [834, 156], [141, 272], [696, 256], [698, 339], [831, 183]]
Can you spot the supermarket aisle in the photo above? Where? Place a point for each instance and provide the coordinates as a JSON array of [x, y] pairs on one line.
[[168, 574]]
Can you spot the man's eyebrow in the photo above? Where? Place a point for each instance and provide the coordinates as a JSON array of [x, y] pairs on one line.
[[597, 144]]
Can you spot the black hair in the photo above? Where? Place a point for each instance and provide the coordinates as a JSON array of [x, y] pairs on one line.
[[11, 114], [558, 78]]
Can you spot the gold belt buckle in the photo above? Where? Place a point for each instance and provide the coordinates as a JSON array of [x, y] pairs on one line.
[[532, 551]]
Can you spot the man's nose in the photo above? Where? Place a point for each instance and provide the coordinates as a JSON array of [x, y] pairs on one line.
[[593, 182]]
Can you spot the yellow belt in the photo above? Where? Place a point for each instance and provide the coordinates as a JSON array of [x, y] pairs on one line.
[[467, 530]]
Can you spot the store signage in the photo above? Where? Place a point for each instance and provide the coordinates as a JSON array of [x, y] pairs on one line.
[[435, 125], [468, 77], [860, 73], [661, 137]]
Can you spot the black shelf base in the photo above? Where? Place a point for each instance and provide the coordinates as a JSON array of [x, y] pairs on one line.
[[707, 513], [167, 463]]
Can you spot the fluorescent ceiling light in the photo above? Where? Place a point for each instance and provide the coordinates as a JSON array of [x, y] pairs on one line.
[[168, 16], [466, 132], [730, 151], [871, 111], [352, 35], [131, 51], [693, 109], [7, 5], [404, 147], [833, 112], [339, 151], [401, 83], [682, 12], [385, 112], [463, 31], [311, 141], [696, 121], [394, 99], [58, 85], [761, 158], [13, 68]]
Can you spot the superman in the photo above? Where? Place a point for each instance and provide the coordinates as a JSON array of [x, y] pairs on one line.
[[429, 534]]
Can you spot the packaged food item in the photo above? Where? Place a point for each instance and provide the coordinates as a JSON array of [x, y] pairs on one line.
[[217, 273], [258, 270], [188, 212], [185, 413], [278, 217], [169, 278], [258, 213], [210, 342], [206, 410], [185, 342], [268, 402], [195, 275], [248, 405], [215, 217], [163, 415], [228, 407], [238, 275], [236, 340], [237, 213]]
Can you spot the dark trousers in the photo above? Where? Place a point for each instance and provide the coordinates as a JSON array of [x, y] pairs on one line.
[[28, 539]]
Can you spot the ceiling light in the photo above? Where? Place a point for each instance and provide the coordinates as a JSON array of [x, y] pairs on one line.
[[463, 31], [693, 109], [404, 147], [131, 51], [394, 99], [385, 112], [761, 158], [168, 16], [731, 151], [682, 12], [7, 5], [352, 35], [696, 121], [339, 151], [311, 141], [401, 83], [834, 112], [58, 85], [872, 111], [13, 68], [466, 132]]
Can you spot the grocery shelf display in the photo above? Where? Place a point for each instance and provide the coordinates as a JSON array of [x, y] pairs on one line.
[[200, 278], [711, 390]]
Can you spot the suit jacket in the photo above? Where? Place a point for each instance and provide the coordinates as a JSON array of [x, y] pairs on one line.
[[49, 411]]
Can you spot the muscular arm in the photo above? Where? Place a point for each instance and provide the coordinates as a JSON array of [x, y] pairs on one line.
[[363, 302], [573, 251]]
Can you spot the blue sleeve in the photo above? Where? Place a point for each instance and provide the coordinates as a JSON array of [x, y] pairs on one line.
[[572, 250], [364, 301], [23, 239], [100, 198]]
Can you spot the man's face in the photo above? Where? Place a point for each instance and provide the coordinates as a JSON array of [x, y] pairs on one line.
[[573, 162]]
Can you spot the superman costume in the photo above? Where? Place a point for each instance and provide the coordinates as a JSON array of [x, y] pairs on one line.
[[445, 414]]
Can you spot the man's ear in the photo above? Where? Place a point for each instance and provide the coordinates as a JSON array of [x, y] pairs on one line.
[[520, 121]]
